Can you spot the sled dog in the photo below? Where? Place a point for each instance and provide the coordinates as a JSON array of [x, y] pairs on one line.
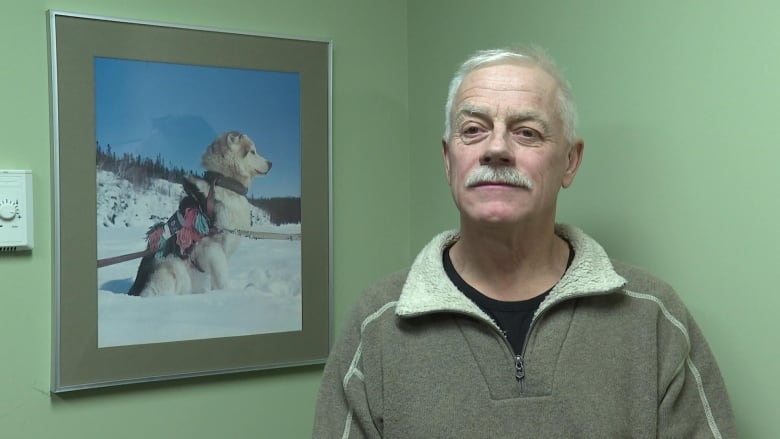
[[190, 251]]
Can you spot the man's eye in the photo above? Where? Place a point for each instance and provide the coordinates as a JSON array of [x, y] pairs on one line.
[[471, 130], [528, 134]]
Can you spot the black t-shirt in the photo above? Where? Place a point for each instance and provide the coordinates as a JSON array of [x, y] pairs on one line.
[[513, 317]]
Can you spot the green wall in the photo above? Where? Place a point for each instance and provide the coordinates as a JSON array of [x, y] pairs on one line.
[[677, 103], [370, 152], [676, 111]]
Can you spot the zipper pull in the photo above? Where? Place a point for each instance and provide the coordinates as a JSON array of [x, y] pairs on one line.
[[519, 368]]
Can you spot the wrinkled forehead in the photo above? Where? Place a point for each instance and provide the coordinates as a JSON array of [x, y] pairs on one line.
[[509, 88], [509, 76]]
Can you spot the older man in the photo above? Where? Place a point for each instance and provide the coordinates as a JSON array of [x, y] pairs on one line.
[[515, 326]]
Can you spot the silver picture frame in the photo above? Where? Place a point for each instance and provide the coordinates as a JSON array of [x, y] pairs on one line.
[[78, 360]]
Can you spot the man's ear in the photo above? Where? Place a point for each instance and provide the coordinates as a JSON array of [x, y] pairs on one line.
[[574, 160], [445, 154]]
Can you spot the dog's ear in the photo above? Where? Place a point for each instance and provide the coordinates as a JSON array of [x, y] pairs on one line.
[[245, 145], [234, 138]]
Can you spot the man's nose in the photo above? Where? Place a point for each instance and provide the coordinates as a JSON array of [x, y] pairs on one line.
[[497, 151]]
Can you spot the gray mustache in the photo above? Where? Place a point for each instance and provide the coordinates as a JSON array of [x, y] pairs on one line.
[[498, 174]]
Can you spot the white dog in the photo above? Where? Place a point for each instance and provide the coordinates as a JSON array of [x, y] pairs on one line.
[[191, 250]]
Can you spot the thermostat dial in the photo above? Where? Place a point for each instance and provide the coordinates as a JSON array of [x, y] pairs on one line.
[[8, 210]]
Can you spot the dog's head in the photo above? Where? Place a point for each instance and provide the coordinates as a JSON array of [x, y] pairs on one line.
[[234, 155]]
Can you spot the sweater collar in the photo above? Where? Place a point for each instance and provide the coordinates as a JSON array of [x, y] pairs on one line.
[[428, 289]]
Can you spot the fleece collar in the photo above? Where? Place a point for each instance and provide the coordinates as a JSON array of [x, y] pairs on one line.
[[428, 289]]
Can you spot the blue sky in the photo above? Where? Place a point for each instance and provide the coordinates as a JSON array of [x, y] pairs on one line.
[[176, 110]]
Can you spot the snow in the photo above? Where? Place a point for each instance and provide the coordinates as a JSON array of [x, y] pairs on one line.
[[264, 295]]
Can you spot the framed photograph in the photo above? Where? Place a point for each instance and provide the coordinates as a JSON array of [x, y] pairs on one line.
[[192, 201]]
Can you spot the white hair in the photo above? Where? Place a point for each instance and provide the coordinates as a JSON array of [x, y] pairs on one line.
[[531, 55]]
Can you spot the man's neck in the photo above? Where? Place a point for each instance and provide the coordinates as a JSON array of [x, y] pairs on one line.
[[510, 266]]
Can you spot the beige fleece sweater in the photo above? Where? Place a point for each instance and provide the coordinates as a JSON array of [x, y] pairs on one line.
[[612, 353]]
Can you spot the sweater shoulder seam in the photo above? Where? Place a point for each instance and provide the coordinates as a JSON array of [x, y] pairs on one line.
[[353, 370], [688, 361]]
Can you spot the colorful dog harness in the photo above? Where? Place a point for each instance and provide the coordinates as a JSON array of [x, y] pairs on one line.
[[193, 221]]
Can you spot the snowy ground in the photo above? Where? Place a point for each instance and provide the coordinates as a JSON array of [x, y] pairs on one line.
[[265, 292]]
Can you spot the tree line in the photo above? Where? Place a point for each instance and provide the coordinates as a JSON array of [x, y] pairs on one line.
[[141, 171], [282, 210]]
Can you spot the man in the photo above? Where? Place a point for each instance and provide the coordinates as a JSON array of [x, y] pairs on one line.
[[515, 326]]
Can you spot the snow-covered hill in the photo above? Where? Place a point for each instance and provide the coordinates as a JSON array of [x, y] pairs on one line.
[[265, 291]]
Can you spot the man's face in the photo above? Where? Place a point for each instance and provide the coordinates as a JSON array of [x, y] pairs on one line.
[[504, 118]]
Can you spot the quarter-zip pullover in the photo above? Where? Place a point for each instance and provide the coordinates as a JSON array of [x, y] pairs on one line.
[[612, 352]]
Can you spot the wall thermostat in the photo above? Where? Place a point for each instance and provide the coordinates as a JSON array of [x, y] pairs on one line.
[[16, 211]]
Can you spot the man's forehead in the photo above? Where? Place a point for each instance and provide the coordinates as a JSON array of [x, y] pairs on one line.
[[514, 91], [509, 76], [503, 91]]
